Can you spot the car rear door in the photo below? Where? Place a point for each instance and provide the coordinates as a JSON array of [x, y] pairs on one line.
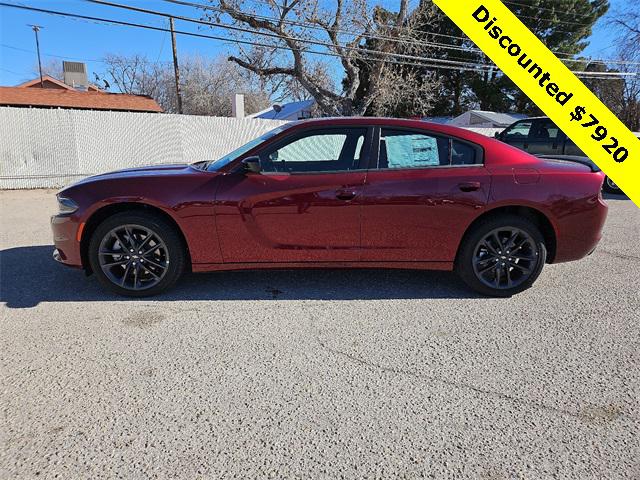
[[304, 206], [425, 191], [571, 148]]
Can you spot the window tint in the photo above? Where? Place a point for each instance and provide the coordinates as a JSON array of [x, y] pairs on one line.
[[403, 149], [542, 130], [519, 131], [463, 154], [336, 149]]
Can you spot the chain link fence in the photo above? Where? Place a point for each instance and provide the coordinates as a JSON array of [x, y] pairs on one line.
[[42, 148], [50, 148]]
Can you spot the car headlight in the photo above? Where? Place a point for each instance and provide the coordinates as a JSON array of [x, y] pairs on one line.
[[66, 205]]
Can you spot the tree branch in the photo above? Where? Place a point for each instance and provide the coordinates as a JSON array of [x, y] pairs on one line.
[[262, 71]]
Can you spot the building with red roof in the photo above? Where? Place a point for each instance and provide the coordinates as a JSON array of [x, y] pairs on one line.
[[53, 93]]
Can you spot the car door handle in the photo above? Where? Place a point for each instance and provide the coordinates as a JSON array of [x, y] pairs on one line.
[[346, 194], [469, 186]]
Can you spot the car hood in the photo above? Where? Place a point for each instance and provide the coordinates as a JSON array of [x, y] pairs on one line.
[[170, 169], [147, 171]]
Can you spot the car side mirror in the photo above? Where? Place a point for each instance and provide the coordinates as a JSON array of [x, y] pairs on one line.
[[252, 164], [497, 135]]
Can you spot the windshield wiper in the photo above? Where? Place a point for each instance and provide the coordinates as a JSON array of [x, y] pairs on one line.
[[202, 165]]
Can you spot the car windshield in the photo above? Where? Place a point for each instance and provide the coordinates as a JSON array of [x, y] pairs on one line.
[[231, 156]]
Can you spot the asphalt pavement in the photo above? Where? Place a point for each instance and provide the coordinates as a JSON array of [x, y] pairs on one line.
[[318, 374]]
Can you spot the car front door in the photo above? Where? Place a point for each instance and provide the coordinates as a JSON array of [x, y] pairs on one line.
[[423, 195], [517, 134], [304, 205], [545, 138]]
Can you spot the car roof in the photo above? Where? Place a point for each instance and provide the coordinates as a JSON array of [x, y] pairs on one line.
[[391, 122], [542, 117]]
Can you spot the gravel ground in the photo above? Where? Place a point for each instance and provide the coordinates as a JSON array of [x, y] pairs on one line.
[[318, 374]]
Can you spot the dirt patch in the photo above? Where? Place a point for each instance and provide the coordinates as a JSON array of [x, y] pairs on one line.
[[597, 414], [144, 319]]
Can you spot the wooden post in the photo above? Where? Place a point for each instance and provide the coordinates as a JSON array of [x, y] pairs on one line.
[[36, 29], [176, 69]]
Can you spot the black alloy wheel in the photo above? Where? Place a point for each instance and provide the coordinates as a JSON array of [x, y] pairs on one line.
[[505, 258], [133, 257], [502, 256], [137, 254]]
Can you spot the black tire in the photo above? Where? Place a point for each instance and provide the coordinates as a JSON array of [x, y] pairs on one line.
[[609, 186], [480, 265], [164, 265]]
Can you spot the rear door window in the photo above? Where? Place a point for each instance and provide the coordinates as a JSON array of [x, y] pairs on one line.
[[464, 154], [406, 149]]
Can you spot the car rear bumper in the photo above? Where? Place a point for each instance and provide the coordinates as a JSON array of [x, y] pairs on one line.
[[580, 231], [66, 231]]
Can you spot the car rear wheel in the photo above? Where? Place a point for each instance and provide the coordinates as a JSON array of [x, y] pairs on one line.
[[610, 186], [502, 256], [136, 254]]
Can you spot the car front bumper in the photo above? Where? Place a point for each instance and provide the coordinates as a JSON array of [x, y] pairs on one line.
[[66, 239]]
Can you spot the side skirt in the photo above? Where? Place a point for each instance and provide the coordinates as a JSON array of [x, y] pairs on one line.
[[214, 267]]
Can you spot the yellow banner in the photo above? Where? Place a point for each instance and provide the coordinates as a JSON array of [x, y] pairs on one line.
[[552, 87]]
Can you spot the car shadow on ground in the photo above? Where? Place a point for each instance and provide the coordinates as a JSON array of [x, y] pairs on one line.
[[29, 275]]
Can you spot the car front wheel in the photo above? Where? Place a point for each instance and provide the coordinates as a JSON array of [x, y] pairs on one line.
[[136, 254], [502, 256]]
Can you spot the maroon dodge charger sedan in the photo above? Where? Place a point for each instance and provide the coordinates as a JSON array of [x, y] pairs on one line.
[[346, 192]]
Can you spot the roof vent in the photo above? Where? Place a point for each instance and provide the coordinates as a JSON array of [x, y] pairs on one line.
[[75, 75]]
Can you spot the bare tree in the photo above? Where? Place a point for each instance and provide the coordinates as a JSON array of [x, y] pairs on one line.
[[628, 24], [133, 74], [207, 84], [294, 34], [50, 67]]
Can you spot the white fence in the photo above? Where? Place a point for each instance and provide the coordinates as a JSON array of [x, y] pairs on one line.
[[50, 148], [42, 148]]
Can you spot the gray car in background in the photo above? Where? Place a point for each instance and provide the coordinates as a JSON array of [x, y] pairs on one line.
[[540, 136]]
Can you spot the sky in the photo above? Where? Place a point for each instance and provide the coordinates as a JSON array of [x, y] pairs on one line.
[[87, 41]]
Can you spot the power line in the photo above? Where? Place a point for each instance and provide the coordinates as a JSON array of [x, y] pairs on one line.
[[339, 31], [393, 39], [14, 72], [271, 4], [310, 25], [50, 54], [547, 9], [302, 40], [214, 37], [274, 35], [470, 67], [383, 37]]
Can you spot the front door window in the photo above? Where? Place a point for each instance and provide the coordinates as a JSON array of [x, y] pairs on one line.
[[332, 150]]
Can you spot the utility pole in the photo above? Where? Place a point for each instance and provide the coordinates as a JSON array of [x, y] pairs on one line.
[[36, 29], [176, 69]]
